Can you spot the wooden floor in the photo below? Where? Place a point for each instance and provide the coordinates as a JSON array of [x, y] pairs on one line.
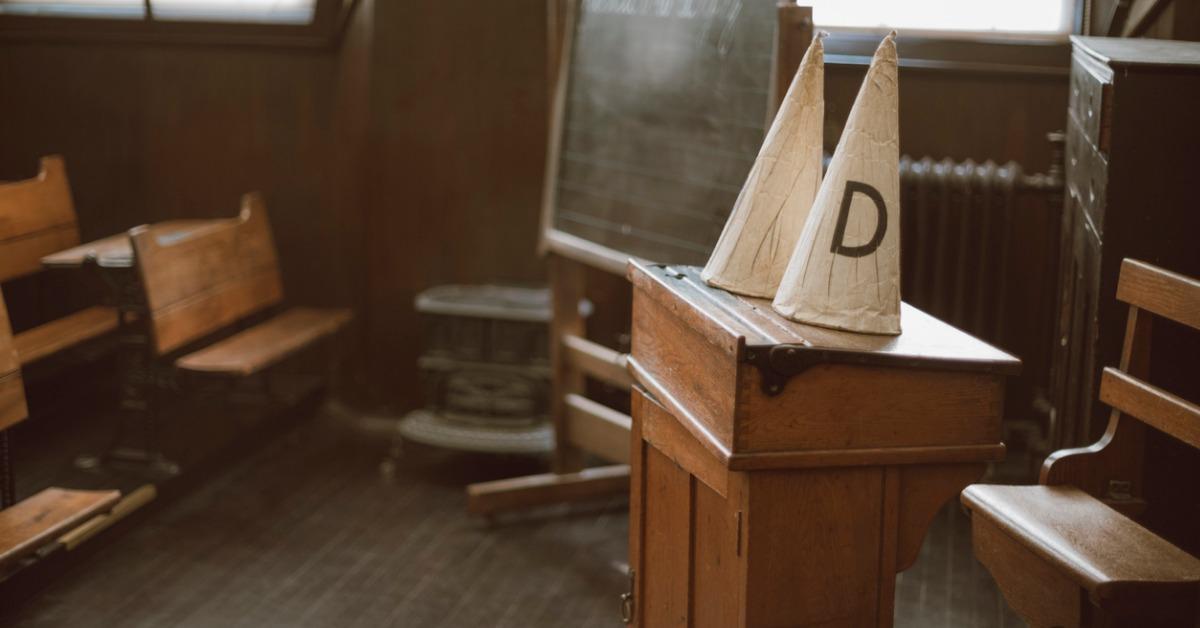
[[317, 529]]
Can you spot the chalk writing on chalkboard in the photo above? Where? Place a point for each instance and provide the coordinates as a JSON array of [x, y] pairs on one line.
[[664, 112]]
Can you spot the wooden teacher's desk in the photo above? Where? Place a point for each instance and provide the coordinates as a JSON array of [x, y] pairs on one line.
[[783, 474]]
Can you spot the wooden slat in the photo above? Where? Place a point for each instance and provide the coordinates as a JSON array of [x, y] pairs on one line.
[[128, 504], [598, 361], [40, 519], [200, 279], [1151, 405], [265, 344], [585, 252], [9, 364], [188, 321], [12, 401], [597, 428], [50, 338], [535, 490], [23, 255], [37, 204], [1162, 292], [568, 289], [793, 34], [1099, 548]]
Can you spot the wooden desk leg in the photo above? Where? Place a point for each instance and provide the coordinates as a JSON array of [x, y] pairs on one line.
[[142, 378]]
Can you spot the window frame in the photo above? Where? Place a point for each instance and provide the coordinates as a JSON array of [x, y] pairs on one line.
[[1028, 57], [1015, 53], [325, 29]]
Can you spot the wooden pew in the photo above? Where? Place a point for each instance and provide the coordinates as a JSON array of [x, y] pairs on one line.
[[43, 517], [215, 277], [37, 217], [1061, 551]]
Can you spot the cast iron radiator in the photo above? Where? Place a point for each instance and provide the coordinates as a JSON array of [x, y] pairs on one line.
[[980, 249]]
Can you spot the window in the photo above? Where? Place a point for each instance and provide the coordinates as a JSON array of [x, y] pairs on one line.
[[1051, 19], [265, 11], [287, 22]]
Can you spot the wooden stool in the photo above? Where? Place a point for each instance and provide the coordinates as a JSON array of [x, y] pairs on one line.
[[783, 474]]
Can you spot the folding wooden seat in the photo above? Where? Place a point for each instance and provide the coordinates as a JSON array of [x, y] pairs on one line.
[[214, 278], [37, 218], [1061, 552], [43, 517]]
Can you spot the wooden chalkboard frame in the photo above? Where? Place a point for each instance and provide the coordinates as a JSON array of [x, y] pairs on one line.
[[794, 31]]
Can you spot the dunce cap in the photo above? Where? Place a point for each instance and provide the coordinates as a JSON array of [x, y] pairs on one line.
[[845, 272], [762, 231]]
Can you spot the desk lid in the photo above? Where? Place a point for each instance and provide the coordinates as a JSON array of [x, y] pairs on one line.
[[782, 348]]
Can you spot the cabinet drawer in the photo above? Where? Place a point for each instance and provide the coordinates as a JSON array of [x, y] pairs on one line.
[[1091, 99], [1087, 175]]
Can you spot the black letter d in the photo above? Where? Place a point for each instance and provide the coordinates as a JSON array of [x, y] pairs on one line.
[[839, 232]]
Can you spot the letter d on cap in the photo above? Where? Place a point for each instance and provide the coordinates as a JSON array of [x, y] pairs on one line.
[[839, 231]]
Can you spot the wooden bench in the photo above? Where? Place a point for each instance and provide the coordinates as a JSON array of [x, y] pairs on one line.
[[37, 218], [215, 277], [40, 519], [1061, 552]]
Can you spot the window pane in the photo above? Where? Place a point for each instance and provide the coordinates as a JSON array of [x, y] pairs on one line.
[[1011, 16], [272, 11], [75, 8]]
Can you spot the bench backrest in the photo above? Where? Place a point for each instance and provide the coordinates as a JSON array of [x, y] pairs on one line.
[[1151, 290], [209, 279], [37, 218], [12, 388]]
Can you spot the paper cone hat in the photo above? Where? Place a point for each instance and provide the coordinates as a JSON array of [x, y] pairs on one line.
[[845, 272], [770, 211]]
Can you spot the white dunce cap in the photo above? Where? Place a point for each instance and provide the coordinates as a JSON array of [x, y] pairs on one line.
[[845, 272], [770, 211]]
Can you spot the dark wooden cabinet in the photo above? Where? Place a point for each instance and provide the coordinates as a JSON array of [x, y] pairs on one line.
[[1133, 171]]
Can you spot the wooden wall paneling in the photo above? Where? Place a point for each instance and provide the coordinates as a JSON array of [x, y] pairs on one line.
[[458, 98], [941, 113], [347, 199]]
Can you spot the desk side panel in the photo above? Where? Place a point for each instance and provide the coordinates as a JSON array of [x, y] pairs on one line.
[[813, 546], [698, 373], [834, 407]]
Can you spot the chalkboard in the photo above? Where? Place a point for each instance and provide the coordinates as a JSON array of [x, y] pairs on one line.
[[660, 117]]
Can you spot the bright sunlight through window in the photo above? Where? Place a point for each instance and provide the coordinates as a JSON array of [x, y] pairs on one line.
[[265, 11], [962, 17]]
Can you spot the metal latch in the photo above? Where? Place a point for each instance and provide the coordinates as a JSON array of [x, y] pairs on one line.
[[627, 600]]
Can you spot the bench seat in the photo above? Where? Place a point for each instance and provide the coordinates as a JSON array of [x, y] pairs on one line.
[[38, 520], [1117, 562], [267, 343], [54, 336]]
